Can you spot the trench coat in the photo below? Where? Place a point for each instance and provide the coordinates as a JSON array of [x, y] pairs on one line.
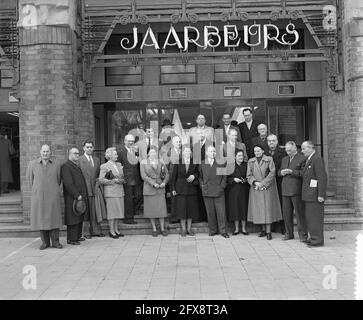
[[45, 209], [6, 150], [74, 185], [263, 206]]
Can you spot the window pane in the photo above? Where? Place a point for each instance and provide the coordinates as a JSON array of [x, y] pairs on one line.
[[122, 122], [178, 78], [178, 69], [120, 80], [232, 77], [232, 67]]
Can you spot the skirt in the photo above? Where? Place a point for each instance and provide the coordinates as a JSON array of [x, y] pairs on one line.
[[155, 206], [186, 207], [115, 208]]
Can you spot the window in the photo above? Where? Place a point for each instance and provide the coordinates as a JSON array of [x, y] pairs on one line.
[[177, 74], [6, 78], [122, 75], [232, 72], [287, 71]]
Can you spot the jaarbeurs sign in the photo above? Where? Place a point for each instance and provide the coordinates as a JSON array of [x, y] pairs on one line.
[[231, 37]]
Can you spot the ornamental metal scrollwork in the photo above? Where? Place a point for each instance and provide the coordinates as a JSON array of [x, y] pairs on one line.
[[125, 20], [193, 17], [143, 19], [274, 15], [175, 18], [294, 15], [243, 16], [224, 17]]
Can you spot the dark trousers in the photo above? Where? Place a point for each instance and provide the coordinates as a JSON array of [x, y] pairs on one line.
[[133, 200], [216, 212], [314, 213], [74, 232], [289, 204], [91, 226], [49, 235]]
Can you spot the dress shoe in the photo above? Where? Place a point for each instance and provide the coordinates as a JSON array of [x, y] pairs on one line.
[[164, 233], [269, 236], [43, 246], [154, 233], [286, 237], [191, 233], [211, 234], [225, 235], [88, 236], [173, 221], [130, 222], [113, 236], [262, 233], [245, 233], [57, 246], [183, 233], [235, 233], [74, 243], [305, 240], [311, 245], [82, 239], [119, 234], [98, 235]]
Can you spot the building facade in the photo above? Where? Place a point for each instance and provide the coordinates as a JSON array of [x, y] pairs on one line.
[[98, 69]]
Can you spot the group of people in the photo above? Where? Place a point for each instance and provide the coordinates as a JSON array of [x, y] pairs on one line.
[[247, 177]]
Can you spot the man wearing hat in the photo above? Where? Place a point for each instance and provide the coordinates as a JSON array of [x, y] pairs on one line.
[[75, 197]]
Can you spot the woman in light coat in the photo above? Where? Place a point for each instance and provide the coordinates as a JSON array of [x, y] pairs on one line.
[[264, 204], [113, 191], [155, 175]]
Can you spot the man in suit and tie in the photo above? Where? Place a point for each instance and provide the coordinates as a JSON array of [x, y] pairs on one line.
[[128, 157], [314, 193], [261, 139], [213, 182], [144, 145], [226, 118], [193, 132], [248, 130], [290, 173], [90, 167], [199, 148]]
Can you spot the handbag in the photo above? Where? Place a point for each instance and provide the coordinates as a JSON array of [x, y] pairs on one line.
[[109, 175], [162, 172]]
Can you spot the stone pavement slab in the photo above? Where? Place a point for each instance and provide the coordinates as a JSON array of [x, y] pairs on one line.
[[200, 267]]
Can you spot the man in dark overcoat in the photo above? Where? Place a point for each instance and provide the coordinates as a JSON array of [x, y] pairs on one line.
[[290, 172], [314, 193], [261, 139], [90, 167], [277, 153], [74, 188]]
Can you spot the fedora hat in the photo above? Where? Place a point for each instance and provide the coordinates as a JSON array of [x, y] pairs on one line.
[[79, 207]]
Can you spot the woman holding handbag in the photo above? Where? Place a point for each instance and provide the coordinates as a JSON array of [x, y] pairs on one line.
[[237, 193], [112, 177], [155, 175], [184, 185], [264, 204]]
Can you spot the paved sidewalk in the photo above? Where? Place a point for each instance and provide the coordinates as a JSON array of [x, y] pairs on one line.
[[201, 267]]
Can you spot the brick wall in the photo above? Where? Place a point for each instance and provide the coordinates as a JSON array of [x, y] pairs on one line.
[[344, 119], [50, 110]]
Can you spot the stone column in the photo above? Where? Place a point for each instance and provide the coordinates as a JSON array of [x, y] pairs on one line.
[[48, 82], [354, 89]]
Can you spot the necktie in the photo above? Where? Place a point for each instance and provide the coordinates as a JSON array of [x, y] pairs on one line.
[[91, 161]]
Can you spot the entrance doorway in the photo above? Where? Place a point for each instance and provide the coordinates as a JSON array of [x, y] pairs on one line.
[[296, 119], [9, 152]]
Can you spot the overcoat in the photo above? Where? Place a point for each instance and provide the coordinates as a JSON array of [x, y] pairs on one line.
[[6, 150], [247, 135], [74, 186], [152, 176], [130, 164], [45, 208], [263, 206]]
